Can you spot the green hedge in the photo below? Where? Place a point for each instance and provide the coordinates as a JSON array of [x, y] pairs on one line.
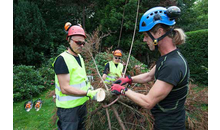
[[195, 50], [29, 82]]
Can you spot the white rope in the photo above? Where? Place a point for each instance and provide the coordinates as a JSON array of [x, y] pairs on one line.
[[132, 40]]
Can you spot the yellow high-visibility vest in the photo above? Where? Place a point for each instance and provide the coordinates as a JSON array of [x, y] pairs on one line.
[[114, 72], [78, 79]]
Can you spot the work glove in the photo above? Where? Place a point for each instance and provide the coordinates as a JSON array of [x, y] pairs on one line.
[[92, 94], [118, 89], [123, 81]]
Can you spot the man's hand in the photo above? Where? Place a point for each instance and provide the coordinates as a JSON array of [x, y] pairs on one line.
[[92, 94], [118, 89], [123, 81]]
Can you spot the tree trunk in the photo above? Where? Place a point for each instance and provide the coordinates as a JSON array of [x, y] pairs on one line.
[[84, 15]]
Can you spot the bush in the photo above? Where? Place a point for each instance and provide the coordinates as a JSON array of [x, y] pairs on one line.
[[196, 52], [28, 82]]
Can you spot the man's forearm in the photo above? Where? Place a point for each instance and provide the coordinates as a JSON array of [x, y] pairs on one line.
[[142, 78], [73, 91], [145, 77], [139, 99]]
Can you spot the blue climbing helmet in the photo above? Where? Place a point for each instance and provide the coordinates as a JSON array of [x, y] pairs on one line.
[[158, 15]]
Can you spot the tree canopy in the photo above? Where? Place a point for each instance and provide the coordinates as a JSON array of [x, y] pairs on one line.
[[38, 25]]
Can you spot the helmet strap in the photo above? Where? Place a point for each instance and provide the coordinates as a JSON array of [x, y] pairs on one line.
[[156, 40], [72, 50]]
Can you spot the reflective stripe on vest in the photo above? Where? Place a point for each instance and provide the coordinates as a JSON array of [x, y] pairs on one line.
[[68, 98], [112, 77], [79, 86]]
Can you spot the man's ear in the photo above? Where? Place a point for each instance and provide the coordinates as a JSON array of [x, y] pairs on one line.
[[68, 39], [160, 32]]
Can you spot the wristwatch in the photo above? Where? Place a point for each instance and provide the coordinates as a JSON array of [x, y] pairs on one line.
[[123, 91]]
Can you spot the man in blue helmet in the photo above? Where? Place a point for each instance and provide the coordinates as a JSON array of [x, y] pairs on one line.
[[167, 96]]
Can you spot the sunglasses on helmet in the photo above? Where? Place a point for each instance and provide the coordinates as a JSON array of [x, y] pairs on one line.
[[79, 42]]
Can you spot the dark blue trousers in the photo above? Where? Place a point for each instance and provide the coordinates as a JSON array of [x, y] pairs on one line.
[[72, 118]]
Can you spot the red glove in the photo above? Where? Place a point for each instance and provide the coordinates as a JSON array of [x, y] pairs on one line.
[[118, 89], [123, 81]]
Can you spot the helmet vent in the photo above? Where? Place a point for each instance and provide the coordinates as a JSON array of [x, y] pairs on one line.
[[151, 14], [156, 12], [160, 11], [143, 24], [157, 17], [147, 17]]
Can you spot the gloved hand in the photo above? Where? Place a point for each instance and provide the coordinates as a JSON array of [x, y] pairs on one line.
[[118, 89], [123, 81], [92, 94]]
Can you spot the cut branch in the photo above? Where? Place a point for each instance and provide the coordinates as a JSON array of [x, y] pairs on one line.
[[108, 117], [118, 118]]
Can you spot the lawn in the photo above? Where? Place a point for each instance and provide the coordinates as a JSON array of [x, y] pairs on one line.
[[34, 120]]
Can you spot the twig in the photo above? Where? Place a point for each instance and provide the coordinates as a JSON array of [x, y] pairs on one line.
[[118, 118], [122, 21], [135, 125], [98, 70], [108, 117], [96, 110], [105, 106], [134, 85], [130, 108]]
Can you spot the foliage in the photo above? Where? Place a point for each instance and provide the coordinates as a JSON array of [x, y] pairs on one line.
[[30, 35], [38, 25], [195, 51], [28, 82], [101, 60], [194, 15]]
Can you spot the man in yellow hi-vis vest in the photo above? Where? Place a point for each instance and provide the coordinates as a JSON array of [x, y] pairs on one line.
[[113, 69], [71, 82]]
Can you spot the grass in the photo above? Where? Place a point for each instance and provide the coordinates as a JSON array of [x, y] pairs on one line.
[[34, 120]]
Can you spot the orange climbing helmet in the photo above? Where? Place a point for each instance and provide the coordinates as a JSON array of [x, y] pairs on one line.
[[38, 104], [74, 30], [28, 105], [117, 52]]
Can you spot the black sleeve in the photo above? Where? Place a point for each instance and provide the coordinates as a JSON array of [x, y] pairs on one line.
[[60, 66], [78, 60], [170, 74], [106, 70], [123, 69]]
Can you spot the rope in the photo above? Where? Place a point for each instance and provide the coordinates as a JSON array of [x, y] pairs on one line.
[[132, 39], [105, 106]]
